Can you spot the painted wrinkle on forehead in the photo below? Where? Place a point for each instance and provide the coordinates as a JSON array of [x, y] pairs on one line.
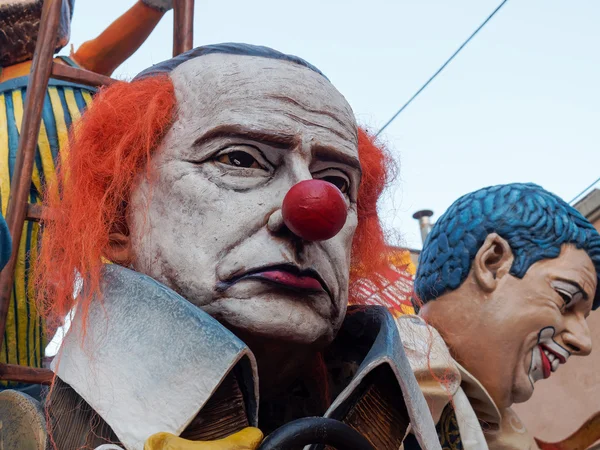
[[219, 89]]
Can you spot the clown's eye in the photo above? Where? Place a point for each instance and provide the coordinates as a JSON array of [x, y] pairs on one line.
[[243, 156], [239, 159], [339, 182], [336, 177]]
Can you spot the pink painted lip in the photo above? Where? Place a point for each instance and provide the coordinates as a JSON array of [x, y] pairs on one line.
[[291, 280], [286, 275], [546, 366], [560, 357]]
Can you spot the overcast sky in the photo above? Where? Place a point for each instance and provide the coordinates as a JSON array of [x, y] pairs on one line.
[[520, 103]]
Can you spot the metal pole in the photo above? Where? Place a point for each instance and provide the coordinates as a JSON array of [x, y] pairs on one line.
[[20, 185], [424, 222], [183, 26]]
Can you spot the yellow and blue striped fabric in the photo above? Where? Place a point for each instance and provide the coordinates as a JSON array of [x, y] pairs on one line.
[[24, 338]]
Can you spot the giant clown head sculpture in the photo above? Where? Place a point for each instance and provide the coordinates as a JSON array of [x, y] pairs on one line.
[[508, 276], [201, 173]]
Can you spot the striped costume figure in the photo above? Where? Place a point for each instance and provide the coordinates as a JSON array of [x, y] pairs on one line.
[[24, 338]]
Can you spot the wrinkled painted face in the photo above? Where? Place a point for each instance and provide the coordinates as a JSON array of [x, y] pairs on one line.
[[209, 224], [533, 325], [19, 25]]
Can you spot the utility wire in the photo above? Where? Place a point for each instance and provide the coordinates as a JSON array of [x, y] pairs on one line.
[[442, 67], [584, 191]]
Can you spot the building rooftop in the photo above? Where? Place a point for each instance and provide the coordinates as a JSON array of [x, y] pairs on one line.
[[589, 205]]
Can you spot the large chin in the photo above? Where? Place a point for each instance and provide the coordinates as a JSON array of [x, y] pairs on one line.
[[522, 391], [274, 318], [524, 384]]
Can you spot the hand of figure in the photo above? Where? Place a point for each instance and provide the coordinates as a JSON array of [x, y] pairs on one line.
[[247, 439], [160, 5]]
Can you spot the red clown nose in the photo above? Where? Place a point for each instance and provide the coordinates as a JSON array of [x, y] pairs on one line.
[[314, 210]]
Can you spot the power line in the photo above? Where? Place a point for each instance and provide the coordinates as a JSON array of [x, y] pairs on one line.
[[584, 191], [442, 67]]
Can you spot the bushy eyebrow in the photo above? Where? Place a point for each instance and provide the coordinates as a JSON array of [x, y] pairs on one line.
[[326, 153], [275, 139]]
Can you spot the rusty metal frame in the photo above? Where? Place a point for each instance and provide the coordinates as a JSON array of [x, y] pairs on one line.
[[183, 26], [19, 210], [82, 76]]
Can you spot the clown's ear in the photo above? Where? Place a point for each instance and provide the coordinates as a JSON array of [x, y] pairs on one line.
[[119, 249], [492, 262]]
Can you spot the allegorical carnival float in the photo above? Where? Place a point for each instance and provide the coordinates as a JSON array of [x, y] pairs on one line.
[[213, 226]]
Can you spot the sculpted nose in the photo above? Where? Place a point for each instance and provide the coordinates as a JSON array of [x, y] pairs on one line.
[[313, 210], [577, 338]]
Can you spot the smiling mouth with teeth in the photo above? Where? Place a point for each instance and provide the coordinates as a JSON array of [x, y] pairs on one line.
[[546, 356], [550, 361]]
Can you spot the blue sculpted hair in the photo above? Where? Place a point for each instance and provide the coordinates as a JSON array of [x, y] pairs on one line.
[[534, 222]]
